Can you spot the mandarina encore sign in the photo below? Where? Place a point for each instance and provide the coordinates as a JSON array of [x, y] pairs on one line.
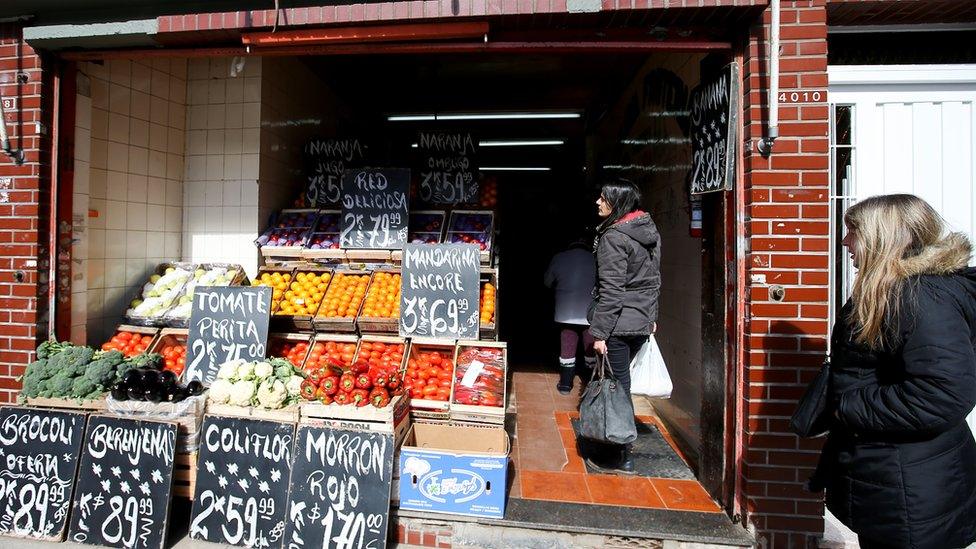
[[714, 118]]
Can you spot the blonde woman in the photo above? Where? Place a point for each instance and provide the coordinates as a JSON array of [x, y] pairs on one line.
[[899, 465]]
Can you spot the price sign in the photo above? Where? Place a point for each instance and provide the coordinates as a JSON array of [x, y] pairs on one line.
[[242, 482], [39, 450], [374, 208], [448, 172], [325, 161], [340, 489], [440, 291], [226, 323], [124, 482], [714, 112]]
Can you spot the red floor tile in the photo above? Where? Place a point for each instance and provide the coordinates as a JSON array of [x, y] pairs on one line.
[[555, 486], [563, 420], [627, 491], [684, 495]]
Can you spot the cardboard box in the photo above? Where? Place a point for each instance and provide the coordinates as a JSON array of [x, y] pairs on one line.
[[454, 469]]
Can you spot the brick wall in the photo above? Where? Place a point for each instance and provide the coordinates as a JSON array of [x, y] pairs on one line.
[[24, 204], [787, 198]]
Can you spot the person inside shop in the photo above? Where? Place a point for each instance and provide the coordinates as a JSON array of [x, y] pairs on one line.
[[625, 304], [572, 276], [898, 463]]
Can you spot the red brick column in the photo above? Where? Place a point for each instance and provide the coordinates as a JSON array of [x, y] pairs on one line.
[[24, 200], [787, 199]]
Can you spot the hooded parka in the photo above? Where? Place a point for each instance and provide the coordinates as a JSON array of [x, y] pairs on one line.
[[628, 258], [899, 465]]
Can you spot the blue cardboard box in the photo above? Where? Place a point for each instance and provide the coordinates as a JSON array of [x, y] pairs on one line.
[[456, 469]]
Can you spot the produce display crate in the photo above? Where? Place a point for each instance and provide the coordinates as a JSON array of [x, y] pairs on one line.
[[480, 414], [170, 336], [388, 340], [288, 414], [68, 404], [377, 324], [290, 338], [394, 418], [366, 255], [289, 270], [298, 248], [158, 320], [141, 330], [341, 324], [426, 408], [338, 338], [182, 322], [455, 232], [490, 331], [185, 475], [327, 226], [187, 415], [282, 322], [419, 228]]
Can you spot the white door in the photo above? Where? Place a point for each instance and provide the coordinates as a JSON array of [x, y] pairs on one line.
[[913, 130]]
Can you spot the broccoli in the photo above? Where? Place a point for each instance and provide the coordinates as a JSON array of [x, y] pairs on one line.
[[32, 377], [102, 371], [83, 388], [72, 361], [60, 385], [147, 360], [50, 348], [44, 388]]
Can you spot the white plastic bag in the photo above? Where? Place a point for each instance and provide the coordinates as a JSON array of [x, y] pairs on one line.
[[648, 373]]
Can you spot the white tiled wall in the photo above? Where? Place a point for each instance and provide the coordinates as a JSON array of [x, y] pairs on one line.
[[135, 183], [223, 145], [81, 243]]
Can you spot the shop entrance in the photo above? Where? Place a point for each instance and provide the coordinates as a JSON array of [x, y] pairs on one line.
[[549, 128]]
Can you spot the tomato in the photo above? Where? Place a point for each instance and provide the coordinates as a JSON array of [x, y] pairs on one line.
[[429, 390], [444, 383], [443, 393]]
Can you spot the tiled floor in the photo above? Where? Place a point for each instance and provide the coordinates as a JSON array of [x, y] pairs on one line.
[[549, 467]]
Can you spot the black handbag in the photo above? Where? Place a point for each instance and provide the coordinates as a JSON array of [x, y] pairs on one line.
[[812, 417], [606, 410]]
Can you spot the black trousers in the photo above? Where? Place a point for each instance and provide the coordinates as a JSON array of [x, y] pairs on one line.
[[621, 350]]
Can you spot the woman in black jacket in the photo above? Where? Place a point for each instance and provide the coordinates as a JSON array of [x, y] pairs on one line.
[[899, 464], [624, 311]]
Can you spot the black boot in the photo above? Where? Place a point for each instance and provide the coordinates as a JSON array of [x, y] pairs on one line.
[[566, 375], [615, 461]]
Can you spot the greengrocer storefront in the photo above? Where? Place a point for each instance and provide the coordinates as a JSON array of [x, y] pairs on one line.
[[176, 152]]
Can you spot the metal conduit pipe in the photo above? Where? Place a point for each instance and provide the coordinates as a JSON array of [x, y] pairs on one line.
[[772, 130]]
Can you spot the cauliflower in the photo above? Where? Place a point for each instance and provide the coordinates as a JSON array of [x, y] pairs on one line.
[[271, 394], [245, 371], [242, 392], [219, 392], [294, 385], [228, 370], [263, 369]]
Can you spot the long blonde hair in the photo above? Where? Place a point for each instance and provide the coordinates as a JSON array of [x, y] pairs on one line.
[[897, 236]]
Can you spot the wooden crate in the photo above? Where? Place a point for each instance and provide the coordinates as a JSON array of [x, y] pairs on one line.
[[490, 331], [185, 475], [68, 404], [142, 330], [330, 253], [170, 336], [425, 408], [294, 338], [289, 414], [394, 418], [344, 324], [375, 324], [290, 251], [354, 255], [413, 231], [388, 340], [289, 270], [486, 254], [323, 338], [188, 422], [285, 323], [157, 320], [480, 414]]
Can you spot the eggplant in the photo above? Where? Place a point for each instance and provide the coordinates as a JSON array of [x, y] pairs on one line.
[[167, 378], [150, 377], [153, 393], [119, 392], [131, 377], [175, 393], [194, 388], [135, 393]]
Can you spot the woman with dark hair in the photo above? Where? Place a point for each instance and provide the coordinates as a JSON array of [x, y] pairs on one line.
[[899, 464], [624, 310]]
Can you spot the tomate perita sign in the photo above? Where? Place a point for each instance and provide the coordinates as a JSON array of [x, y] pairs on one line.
[[226, 323], [440, 291]]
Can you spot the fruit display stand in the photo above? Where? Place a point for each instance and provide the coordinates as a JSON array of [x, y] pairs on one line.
[[467, 375], [150, 305], [329, 320], [204, 274], [424, 227], [473, 227], [393, 418], [323, 241], [368, 321], [279, 284], [185, 475], [290, 347], [386, 340], [317, 352], [307, 289], [170, 339], [489, 304], [363, 255], [288, 233], [418, 358]]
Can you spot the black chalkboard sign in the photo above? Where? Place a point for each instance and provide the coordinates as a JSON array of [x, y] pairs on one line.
[[448, 171], [440, 291], [226, 323], [39, 452], [242, 481], [325, 161], [374, 208], [714, 115], [340, 489], [124, 483]]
